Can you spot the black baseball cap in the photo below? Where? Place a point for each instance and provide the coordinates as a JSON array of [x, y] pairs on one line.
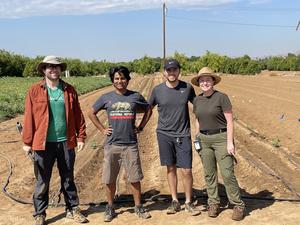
[[171, 63]]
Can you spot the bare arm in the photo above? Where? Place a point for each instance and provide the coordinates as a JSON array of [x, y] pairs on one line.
[[146, 117], [197, 127], [230, 144], [95, 120]]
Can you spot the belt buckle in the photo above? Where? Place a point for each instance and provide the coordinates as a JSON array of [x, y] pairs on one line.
[[205, 132]]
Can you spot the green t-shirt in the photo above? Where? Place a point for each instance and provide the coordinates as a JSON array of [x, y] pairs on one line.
[[57, 129], [210, 110]]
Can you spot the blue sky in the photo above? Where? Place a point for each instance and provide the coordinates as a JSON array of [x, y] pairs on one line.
[[123, 30]]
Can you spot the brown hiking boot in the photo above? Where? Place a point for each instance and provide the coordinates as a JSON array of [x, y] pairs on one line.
[[76, 215], [174, 207], [39, 219], [238, 213], [213, 210]]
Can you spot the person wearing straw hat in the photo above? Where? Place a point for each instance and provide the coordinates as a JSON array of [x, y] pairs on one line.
[[53, 126], [214, 127], [173, 133]]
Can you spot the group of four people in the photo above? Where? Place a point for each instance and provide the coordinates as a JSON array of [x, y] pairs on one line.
[[54, 125]]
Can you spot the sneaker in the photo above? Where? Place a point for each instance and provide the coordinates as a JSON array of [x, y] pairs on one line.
[[174, 207], [141, 212], [76, 215], [109, 213], [238, 213], [40, 219], [69, 214], [213, 210], [192, 209]]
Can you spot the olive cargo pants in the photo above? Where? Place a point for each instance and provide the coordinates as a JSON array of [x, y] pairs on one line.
[[213, 152]]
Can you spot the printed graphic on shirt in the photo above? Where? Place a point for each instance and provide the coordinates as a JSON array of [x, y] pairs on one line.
[[121, 110]]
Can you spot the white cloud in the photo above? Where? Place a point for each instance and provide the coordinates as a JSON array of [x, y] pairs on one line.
[[28, 8]]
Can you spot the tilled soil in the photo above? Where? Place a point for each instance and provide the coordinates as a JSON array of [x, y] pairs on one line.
[[266, 111]]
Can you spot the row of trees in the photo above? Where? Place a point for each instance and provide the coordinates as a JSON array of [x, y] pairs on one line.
[[17, 65]]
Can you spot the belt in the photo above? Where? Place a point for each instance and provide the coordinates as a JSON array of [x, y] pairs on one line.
[[213, 131]]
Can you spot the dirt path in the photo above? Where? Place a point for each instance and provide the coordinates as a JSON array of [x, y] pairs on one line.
[[263, 171]]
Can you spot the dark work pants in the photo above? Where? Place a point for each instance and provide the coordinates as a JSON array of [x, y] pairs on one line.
[[43, 163]]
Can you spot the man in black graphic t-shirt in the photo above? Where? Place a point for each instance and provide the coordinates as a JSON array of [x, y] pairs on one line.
[[121, 146]]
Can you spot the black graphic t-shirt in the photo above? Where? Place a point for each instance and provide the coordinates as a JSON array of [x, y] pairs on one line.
[[121, 111]]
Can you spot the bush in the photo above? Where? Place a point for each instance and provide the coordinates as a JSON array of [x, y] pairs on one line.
[[11, 64], [17, 65]]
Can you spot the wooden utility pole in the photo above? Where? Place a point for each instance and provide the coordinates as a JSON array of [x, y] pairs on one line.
[[164, 32]]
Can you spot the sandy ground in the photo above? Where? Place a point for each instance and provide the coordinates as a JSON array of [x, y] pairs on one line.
[[266, 111]]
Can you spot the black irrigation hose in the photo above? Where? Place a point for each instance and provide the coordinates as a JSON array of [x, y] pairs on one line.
[[15, 198], [166, 197], [7, 182], [125, 200], [272, 199]]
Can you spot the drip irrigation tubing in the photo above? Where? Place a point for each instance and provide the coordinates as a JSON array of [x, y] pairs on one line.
[[7, 182], [123, 200]]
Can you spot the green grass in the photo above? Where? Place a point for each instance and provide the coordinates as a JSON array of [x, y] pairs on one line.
[[13, 91], [276, 143]]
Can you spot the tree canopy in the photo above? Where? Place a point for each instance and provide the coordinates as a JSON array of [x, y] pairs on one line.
[[17, 65]]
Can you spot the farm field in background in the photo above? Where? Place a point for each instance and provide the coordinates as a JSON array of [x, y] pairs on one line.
[[13, 91], [267, 137], [267, 105]]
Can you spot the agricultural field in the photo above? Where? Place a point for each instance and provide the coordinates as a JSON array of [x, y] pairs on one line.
[[14, 89], [267, 137]]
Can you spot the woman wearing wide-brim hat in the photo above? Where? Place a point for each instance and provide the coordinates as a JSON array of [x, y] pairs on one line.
[[214, 127]]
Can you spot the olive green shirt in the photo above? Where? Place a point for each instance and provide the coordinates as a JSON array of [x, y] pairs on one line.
[[210, 110]]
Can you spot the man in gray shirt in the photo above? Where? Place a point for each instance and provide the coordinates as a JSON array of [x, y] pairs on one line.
[[121, 146], [173, 132]]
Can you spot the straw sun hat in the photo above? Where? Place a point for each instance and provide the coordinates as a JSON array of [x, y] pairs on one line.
[[205, 71], [51, 60]]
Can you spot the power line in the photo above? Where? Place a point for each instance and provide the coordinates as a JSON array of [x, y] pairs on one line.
[[258, 9], [231, 23]]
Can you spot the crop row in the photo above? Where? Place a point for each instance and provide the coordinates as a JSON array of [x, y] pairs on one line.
[[13, 91]]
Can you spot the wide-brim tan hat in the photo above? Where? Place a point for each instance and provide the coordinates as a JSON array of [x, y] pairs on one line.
[[205, 71], [51, 60]]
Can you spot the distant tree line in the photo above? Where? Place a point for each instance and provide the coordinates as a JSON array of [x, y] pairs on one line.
[[21, 66]]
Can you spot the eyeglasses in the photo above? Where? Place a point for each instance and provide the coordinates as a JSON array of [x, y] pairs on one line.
[[51, 66]]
